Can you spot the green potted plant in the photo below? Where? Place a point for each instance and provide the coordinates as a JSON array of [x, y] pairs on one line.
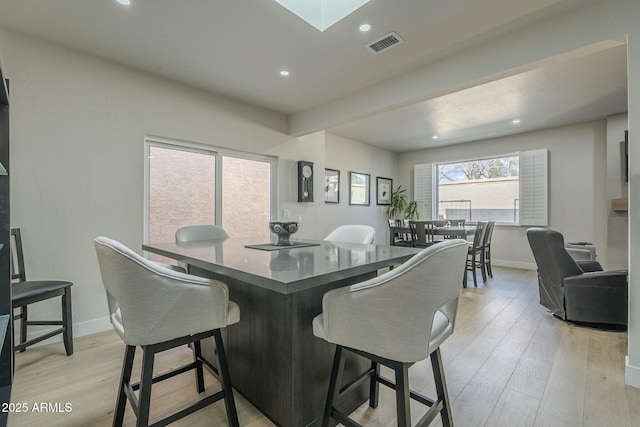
[[401, 207]]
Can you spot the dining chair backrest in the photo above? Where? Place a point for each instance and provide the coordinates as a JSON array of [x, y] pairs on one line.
[[395, 223], [191, 233], [17, 259], [457, 222], [399, 233], [422, 232], [486, 241], [478, 237]]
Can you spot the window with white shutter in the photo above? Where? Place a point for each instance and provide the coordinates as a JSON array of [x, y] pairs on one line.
[[423, 189], [510, 189], [534, 188]]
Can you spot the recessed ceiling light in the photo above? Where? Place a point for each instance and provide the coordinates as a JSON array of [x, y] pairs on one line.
[[365, 27], [516, 121], [434, 137], [124, 2], [284, 73]]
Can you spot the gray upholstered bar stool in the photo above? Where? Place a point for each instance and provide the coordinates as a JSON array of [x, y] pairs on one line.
[[157, 309], [191, 233], [198, 233], [395, 320], [355, 233]]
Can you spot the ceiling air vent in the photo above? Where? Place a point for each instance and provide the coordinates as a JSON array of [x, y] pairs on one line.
[[386, 42]]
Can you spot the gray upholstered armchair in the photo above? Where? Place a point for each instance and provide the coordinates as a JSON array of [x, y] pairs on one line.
[[577, 291]]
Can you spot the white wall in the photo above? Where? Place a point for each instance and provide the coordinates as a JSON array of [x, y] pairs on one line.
[[347, 155], [577, 205], [326, 150]]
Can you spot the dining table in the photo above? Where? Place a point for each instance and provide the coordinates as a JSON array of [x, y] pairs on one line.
[[275, 361], [450, 232]]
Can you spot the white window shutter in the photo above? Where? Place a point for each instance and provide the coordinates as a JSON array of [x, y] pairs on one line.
[[423, 191], [534, 188]]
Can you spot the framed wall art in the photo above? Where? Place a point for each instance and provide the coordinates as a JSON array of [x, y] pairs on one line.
[[359, 184], [384, 188], [331, 186]]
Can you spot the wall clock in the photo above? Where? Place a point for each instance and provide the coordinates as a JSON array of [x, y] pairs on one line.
[[305, 181]]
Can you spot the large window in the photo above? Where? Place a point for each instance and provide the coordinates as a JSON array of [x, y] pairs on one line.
[[246, 197], [190, 185], [479, 190], [510, 189], [182, 190]]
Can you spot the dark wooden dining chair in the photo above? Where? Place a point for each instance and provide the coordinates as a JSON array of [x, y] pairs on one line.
[[399, 233], [486, 246], [456, 223], [422, 233], [474, 255], [25, 292]]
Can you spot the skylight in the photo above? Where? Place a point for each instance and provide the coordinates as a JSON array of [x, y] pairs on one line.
[[322, 13]]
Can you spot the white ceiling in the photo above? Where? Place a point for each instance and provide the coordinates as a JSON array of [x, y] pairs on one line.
[[570, 91], [237, 48]]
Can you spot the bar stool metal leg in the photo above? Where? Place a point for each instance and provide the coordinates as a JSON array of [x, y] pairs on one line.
[[197, 359], [67, 321], [402, 394], [441, 388], [125, 379], [148, 355], [374, 388], [334, 385], [225, 379]]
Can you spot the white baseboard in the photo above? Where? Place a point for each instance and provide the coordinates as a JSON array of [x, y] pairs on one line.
[[631, 374], [514, 264], [91, 327], [79, 330]]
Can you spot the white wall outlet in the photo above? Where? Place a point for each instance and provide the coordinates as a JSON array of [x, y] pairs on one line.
[[286, 213]]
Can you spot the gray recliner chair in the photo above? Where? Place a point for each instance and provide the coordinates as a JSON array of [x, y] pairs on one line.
[[577, 291]]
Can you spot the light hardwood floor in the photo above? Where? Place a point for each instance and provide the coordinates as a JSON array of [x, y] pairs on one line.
[[509, 363]]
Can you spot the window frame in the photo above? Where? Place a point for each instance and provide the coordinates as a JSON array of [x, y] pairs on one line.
[[219, 153], [429, 172]]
